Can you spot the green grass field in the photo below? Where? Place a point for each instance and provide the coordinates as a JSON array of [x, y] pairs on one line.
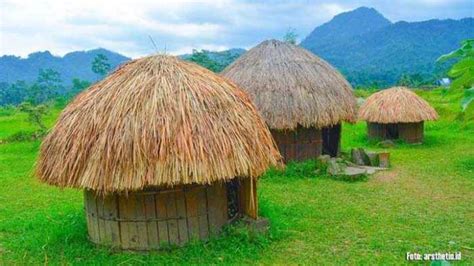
[[424, 203]]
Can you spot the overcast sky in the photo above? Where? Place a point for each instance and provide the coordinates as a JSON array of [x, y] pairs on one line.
[[61, 26]]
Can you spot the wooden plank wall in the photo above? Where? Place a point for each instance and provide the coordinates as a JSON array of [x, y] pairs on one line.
[[300, 144], [375, 131], [411, 132], [152, 219]]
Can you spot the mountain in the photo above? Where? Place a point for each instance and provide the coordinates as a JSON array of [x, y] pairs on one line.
[[369, 49], [72, 65], [344, 26]]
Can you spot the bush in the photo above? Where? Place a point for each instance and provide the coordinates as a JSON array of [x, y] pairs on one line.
[[25, 136], [7, 110]]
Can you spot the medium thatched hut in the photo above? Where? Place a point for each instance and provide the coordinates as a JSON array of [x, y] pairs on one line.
[[396, 113], [165, 150], [301, 97]]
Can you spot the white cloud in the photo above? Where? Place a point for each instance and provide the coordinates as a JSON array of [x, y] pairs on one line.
[[179, 25]]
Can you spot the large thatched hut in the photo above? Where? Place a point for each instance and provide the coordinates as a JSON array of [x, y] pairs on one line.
[[165, 150], [301, 97], [396, 113]]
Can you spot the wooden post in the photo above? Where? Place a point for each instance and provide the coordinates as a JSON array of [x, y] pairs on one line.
[[248, 197]]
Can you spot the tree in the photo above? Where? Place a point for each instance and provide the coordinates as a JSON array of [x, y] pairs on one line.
[[462, 72], [201, 58], [13, 93], [290, 36], [35, 114], [100, 65], [413, 80], [48, 85], [79, 85]]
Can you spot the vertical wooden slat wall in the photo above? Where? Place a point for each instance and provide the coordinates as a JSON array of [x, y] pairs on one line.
[[152, 219], [376, 130], [411, 132], [300, 144]]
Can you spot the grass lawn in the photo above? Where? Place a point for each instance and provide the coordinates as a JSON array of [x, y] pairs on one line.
[[424, 204]]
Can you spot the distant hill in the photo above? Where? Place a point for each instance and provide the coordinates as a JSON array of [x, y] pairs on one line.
[[365, 46], [72, 65], [223, 57], [369, 49]]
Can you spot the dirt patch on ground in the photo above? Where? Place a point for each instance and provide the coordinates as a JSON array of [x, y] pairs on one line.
[[387, 176]]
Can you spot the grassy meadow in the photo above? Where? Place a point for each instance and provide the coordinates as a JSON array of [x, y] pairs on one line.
[[424, 204]]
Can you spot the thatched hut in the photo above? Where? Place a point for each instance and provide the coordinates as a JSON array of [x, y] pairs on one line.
[[165, 150], [301, 97], [396, 113]]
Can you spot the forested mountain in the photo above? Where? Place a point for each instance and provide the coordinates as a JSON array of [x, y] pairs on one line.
[[369, 49], [365, 46], [72, 65]]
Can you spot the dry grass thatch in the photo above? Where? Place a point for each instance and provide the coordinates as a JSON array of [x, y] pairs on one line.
[[156, 121], [291, 86], [396, 105]]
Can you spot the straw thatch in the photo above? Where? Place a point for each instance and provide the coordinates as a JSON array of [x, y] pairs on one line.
[[396, 105], [291, 86], [156, 121]]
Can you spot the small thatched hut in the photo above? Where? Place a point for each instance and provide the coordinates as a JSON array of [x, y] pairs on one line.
[[396, 113], [301, 97], [165, 150]]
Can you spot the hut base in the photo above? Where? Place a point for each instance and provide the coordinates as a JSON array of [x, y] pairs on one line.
[[300, 144], [409, 132], [153, 218]]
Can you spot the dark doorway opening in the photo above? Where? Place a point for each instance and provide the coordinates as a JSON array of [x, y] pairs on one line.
[[391, 131], [233, 209], [331, 139]]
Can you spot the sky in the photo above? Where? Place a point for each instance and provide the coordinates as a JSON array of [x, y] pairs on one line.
[[177, 26]]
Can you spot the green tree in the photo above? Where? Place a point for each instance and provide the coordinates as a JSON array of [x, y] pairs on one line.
[[47, 86], [100, 65], [201, 58], [79, 85], [462, 72], [14, 93], [35, 114], [413, 80], [290, 36]]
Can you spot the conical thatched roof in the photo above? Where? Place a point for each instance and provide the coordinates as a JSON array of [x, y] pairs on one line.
[[396, 105], [291, 86], [156, 121]]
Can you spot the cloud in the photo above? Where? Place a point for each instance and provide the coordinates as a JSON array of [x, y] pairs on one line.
[[125, 26]]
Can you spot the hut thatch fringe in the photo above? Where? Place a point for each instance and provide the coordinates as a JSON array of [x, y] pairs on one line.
[[396, 105], [156, 121], [291, 86]]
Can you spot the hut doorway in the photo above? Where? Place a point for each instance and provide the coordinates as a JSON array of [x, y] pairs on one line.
[[391, 131], [331, 140]]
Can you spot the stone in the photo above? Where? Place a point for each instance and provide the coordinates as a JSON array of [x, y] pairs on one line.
[[324, 158], [359, 157], [335, 168], [372, 169], [387, 143], [354, 171], [259, 225], [322, 163]]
